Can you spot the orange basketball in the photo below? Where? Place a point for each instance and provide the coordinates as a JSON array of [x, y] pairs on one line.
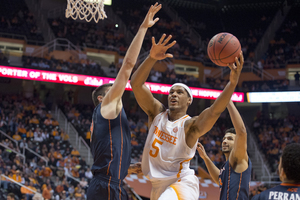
[[223, 48]]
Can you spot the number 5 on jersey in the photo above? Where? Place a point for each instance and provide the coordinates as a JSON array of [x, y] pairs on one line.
[[155, 153]]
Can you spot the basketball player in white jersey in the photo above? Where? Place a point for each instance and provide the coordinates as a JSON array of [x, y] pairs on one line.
[[172, 138]]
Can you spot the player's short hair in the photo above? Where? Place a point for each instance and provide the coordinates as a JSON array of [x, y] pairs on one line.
[[290, 162], [186, 88], [230, 130], [11, 195], [100, 91]]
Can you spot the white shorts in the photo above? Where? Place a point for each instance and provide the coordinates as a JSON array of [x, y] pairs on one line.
[[186, 188]]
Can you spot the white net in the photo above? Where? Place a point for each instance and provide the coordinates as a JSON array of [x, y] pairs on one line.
[[86, 10]]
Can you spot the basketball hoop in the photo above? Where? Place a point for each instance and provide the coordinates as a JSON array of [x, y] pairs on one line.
[[86, 10]]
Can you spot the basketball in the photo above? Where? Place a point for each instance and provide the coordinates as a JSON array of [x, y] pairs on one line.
[[223, 48]]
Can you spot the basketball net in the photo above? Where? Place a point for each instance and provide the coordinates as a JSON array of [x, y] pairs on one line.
[[86, 10]]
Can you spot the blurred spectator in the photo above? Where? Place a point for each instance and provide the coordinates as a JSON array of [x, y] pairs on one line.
[[37, 196], [74, 152], [83, 182], [10, 196], [34, 120], [297, 76], [45, 172], [47, 192], [23, 144], [64, 136], [4, 181], [88, 174], [55, 122], [28, 193], [17, 137], [48, 121], [17, 176]]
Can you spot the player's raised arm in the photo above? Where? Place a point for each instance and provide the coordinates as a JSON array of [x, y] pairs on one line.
[[205, 121], [113, 97], [212, 169], [239, 152], [144, 97]]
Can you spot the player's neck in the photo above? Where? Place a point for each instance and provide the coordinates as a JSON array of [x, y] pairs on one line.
[[286, 181], [175, 115], [226, 155]]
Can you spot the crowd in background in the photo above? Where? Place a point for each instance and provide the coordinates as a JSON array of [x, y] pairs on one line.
[[106, 35], [72, 65], [285, 47], [3, 59], [35, 131], [273, 134], [265, 86], [169, 76], [185, 48], [15, 18]]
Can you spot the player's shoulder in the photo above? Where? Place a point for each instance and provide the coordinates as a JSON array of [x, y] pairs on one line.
[[189, 124], [263, 195], [256, 197], [163, 115], [190, 120], [154, 120], [276, 190]]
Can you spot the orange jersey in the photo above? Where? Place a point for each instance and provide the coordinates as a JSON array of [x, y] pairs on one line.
[[166, 154]]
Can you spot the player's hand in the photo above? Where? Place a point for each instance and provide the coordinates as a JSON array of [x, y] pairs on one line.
[[135, 168], [158, 51], [236, 69], [201, 151], [149, 21]]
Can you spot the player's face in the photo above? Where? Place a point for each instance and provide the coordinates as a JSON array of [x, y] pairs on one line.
[[178, 98], [9, 198], [228, 142]]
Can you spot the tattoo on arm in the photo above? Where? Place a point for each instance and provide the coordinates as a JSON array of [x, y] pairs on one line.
[[160, 110]]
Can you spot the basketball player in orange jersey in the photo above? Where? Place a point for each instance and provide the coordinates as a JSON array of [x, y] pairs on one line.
[[110, 133], [235, 174], [172, 138]]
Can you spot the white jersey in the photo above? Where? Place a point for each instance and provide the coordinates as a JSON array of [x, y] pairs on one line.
[[166, 155]]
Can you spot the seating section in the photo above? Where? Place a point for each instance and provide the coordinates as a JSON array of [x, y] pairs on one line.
[[273, 134], [32, 125], [17, 19], [265, 86], [133, 15], [83, 66], [105, 35], [285, 47], [3, 59], [212, 19], [89, 67]]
